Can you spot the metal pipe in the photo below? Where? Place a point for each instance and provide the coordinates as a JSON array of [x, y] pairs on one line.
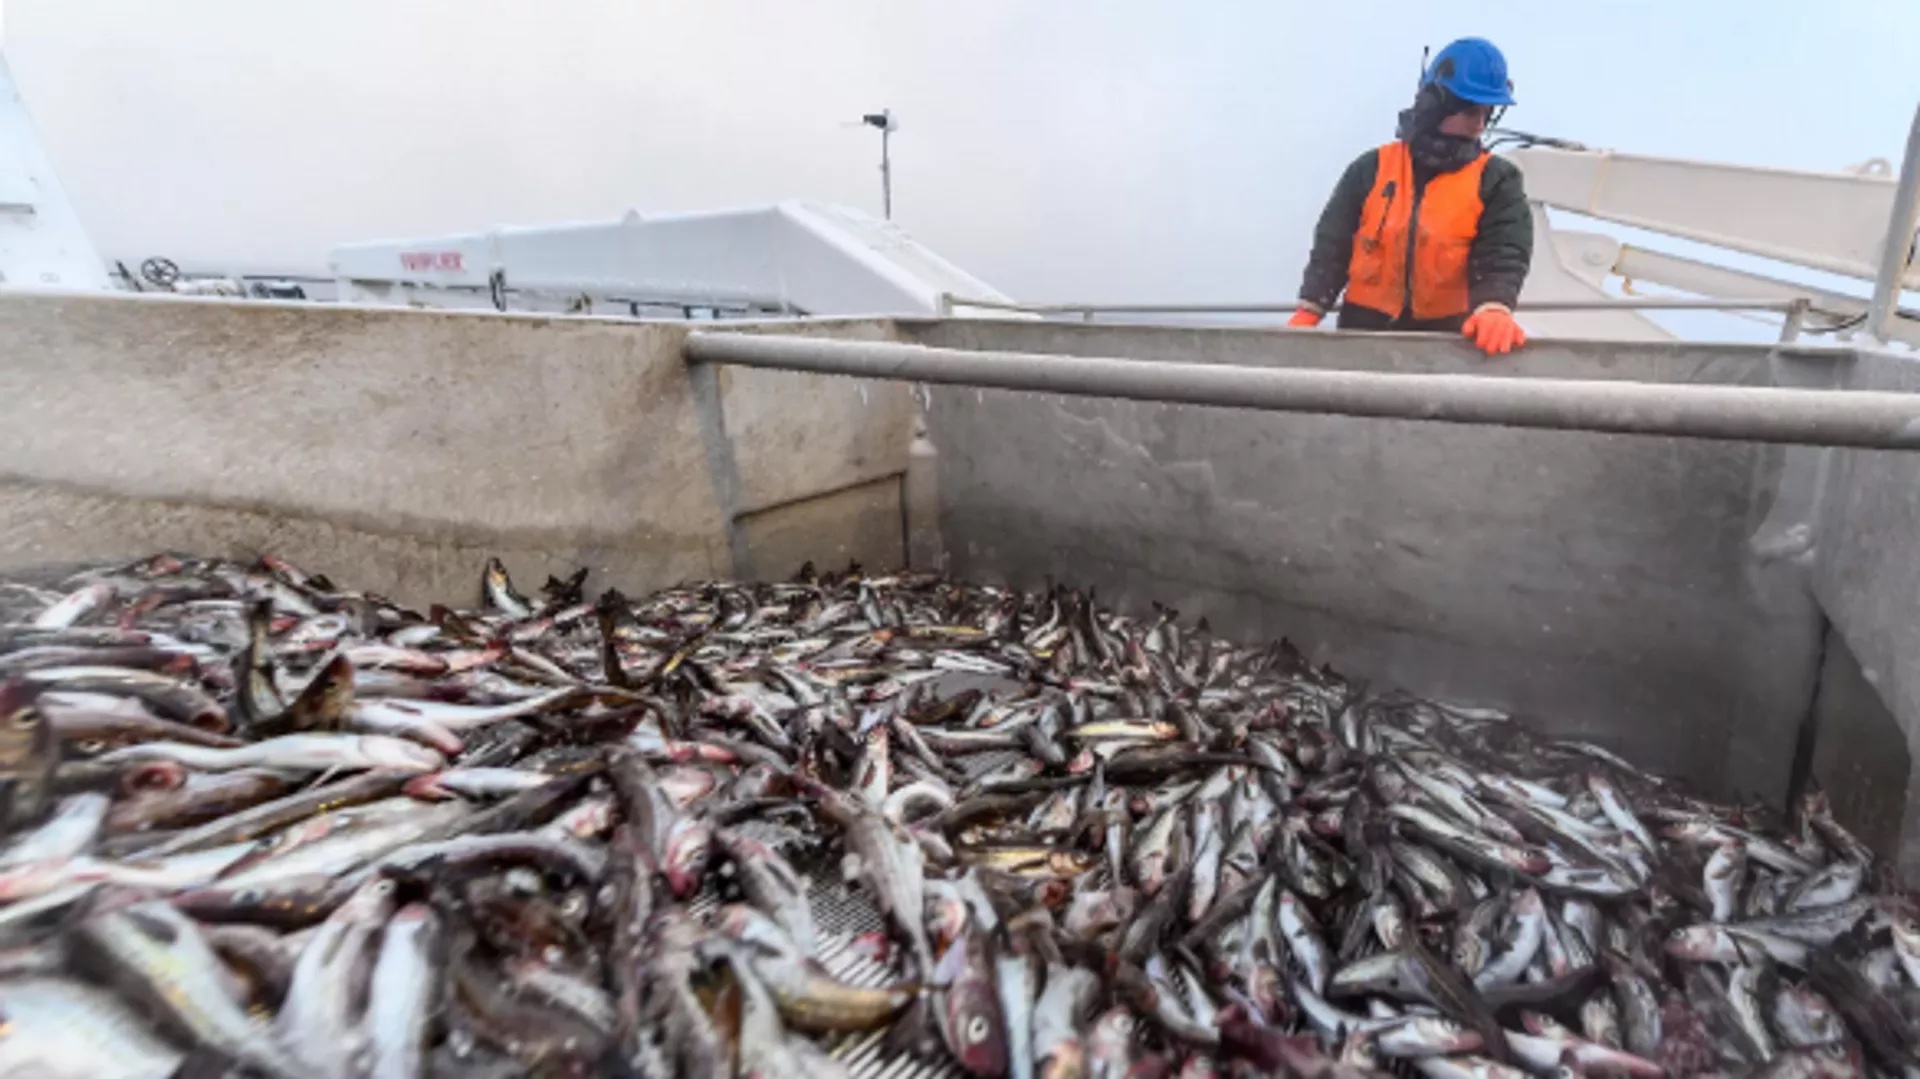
[[1872, 420], [1648, 303], [1901, 225]]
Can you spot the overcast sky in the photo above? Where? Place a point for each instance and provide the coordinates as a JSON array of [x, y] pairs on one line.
[[1092, 149]]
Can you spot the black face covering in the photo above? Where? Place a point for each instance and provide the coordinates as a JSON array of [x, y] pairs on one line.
[[1420, 130]]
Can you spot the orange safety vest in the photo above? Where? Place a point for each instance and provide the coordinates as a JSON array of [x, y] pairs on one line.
[[1390, 239]]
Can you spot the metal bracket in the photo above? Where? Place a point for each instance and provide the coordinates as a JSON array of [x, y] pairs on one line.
[[1787, 533]]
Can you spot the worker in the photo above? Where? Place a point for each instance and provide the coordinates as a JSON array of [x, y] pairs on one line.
[[1430, 231]]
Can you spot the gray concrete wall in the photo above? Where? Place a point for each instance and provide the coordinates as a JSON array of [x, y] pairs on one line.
[[397, 449], [1601, 585]]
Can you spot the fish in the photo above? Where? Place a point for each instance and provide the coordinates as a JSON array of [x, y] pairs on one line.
[[404, 993], [315, 1023], [968, 1008], [1529, 917], [773, 886], [61, 1028], [294, 752], [1725, 875], [159, 957], [303, 829], [29, 754], [1304, 940], [1060, 1037]]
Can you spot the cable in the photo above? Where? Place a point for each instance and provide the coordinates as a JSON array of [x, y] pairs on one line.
[[1509, 137]]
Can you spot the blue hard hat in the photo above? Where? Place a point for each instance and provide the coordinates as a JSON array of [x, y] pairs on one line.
[[1471, 69]]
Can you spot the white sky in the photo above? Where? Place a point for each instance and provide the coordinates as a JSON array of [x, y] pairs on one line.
[[1059, 149]]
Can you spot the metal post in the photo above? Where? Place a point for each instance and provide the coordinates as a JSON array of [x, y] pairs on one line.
[[1859, 418], [884, 121], [1795, 321], [1899, 244]]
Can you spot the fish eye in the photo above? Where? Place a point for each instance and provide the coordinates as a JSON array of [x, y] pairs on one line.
[[977, 1029], [1678, 934], [90, 746], [1124, 1024], [25, 719]]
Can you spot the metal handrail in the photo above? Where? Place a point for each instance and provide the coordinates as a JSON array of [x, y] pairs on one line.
[[1860, 418], [1648, 303]]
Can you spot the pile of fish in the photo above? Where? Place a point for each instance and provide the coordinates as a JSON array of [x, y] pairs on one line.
[[259, 824]]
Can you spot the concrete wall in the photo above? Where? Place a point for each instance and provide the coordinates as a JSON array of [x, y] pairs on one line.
[[1601, 585], [397, 449]]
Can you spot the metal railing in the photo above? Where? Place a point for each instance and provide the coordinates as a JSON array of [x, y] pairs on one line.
[[1858, 418], [1650, 303]]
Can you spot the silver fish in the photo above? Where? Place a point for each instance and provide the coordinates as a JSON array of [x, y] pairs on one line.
[[404, 994], [159, 955]]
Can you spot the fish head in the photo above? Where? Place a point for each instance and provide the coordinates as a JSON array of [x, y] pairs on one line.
[[1906, 932], [1153, 871], [689, 845], [1470, 953], [372, 903], [1699, 942], [1267, 993], [152, 777], [1691, 831], [1359, 1051], [1727, 859], [971, 1021], [749, 926], [1115, 1031], [413, 918]]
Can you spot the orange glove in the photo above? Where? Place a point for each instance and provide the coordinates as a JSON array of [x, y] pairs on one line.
[[1305, 316], [1492, 328]]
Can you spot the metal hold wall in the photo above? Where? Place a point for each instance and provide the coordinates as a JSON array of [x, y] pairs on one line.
[[1602, 585]]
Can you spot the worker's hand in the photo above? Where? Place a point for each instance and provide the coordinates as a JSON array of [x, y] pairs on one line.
[[1492, 329], [1306, 317]]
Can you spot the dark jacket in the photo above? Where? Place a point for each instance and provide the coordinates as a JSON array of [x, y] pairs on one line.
[[1496, 265]]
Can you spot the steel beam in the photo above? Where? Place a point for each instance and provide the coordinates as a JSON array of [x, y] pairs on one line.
[[1871, 420]]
